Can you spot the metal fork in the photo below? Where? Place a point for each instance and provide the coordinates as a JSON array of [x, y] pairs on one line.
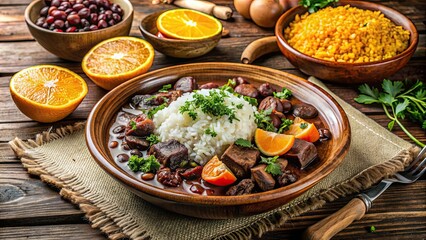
[[357, 207]]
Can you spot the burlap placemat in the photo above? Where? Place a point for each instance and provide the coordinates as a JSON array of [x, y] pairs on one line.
[[62, 159]]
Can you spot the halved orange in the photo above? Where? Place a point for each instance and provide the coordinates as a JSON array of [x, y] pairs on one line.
[[303, 130], [188, 24], [117, 60], [47, 93], [273, 144]]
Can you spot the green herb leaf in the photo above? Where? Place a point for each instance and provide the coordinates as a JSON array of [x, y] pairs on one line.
[[229, 86], [284, 94], [366, 99], [165, 88], [264, 121], [401, 107], [243, 143], [151, 112], [386, 99], [252, 101], [152, 139], [133, 125], [424, 125], [272, 166], [315, 5], [390, 125], [210, 132], [392, 88], [372, 229], [285, 124], [303, 125], [372, 92], [143, 164]]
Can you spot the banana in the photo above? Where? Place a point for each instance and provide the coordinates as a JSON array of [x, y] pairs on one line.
[[258, 48]]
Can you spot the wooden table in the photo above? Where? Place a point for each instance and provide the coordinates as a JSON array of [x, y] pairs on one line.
[[30, 209]]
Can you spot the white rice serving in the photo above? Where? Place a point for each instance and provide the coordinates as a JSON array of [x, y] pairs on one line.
[[171, 124]]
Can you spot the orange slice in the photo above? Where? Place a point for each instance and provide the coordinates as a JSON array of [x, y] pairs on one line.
[[188, 24], [303, 130], [117, 60], [273, 144], [47, 93]]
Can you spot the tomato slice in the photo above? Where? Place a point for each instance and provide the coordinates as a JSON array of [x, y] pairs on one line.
[[217, 173]]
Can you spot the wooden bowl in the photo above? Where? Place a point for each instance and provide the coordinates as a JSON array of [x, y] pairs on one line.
[[348, 73], [331, 153], [175, 47], [73, 46]]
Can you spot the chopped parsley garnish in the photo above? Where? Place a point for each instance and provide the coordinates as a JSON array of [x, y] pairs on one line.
[[284, 94], [303, 125], [229, 86], [243, 143], [272, 166], [133, 125], [149, 99], [213, 104], [315, 5], [372, 229], [151, 112], [252, 101], [239, 106], [285, 124], [263, 120], [165, 88], [210, 132], [152, 139], [143, 164]]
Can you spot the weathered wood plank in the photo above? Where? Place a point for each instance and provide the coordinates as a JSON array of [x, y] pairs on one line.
[[53, 232], [28, 201]]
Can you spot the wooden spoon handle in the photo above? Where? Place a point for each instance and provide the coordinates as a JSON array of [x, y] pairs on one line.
[[331, 225], [258, 48]]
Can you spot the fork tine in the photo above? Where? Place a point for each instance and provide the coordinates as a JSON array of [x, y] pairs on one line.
[[418, 158]]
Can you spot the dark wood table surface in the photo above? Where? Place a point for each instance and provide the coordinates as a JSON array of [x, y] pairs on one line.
[[31, 210]]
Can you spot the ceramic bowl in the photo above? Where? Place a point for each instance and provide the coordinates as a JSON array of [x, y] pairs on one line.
[[73, 46], [348, 73], [331, 154], [175, 47]]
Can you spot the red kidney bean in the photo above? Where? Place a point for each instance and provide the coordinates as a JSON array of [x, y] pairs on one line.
[[94, 18], [62, 8], [84, 13], [57, 30], [147, 176], [68, 11], [45, 25], [86, 3], [116, 17], [58, 23], [73, 19], [71, 29], [102, 24], [47, 2], [84, 22], [72, 2], [108, 14], [44, 11], [111, 22], [51, 9], [77, 7], [59, 15], [40, 21], [55, 3], [93, 8], [50, 19], [112, 144], [101, 17], [79, 1], [93, 27], [66, 4]]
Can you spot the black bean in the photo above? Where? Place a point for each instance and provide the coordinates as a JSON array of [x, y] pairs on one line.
[[123, 157], [305, 111], [196, 188], [136, 152]]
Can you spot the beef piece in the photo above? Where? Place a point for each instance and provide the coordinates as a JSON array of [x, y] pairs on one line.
[[140, 126], [244, 187], [325, 134], [240, 159], [271, 102], [266, 89], [169, 96], [305, 111], [240, 80], [146, 101], [303, 152], [276, 121], [136, 143], [192, 173], [170, 153], [209, 85], [264, 180], [286, 178], [168, 178], [185, 84], [283, 163], [247, 90], [286, 105]]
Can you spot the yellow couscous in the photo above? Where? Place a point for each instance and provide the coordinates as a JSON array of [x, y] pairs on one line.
[[347, 34]]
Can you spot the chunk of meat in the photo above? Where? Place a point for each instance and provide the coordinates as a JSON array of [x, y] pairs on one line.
[[168, 178], [247, 90], [186, 84], [305, 111], [271, 103], [245, 186], [303, 152], [286, 178], [264, 180], [170, 153], [169, 96], [283, 163], [240, 80], [136, 143], [140, 126], [209, 85], [192, 173], [266, 90], [240, 159]]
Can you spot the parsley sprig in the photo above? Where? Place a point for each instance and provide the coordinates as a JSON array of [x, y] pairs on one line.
[[152, 139], [399, 100], [151, 112], [263, 120], [210, 132], [272, 166], [315, 5], [243, 143], [284, 94], [165, 88], [143, 164], [285, 125]]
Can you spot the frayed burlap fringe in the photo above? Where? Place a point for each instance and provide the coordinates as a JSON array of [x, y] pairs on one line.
[[70, 190]]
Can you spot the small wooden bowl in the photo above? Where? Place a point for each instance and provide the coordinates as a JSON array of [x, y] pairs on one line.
[[348, 73], [331, 153], [175, 47], [73, 46]]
